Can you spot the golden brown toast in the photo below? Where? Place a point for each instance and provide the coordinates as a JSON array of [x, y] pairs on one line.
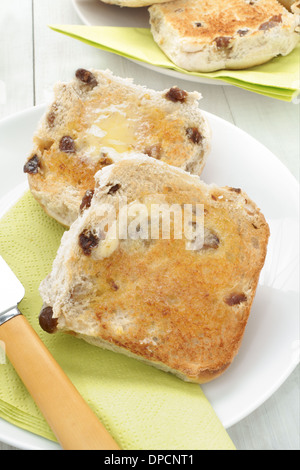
[[180, 307], [208, 35], [97, 110]]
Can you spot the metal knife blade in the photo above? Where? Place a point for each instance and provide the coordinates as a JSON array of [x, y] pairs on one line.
[[11, 292]]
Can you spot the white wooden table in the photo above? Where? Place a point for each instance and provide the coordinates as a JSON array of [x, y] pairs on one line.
[[32, 58]]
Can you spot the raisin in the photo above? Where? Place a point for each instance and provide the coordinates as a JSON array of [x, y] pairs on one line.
[[46, 320], [194, 135], [113, 285], [114, 188], [67, 144], [222, 42], [86, 77], [210, 240], [175, 94], [51, 118], [235, 299], [198, 24], [271, 23], [32, 166], [87, 241], [105, 160], [154, 151], [236, 190], [86, 200], [242, 32], [276, 18]]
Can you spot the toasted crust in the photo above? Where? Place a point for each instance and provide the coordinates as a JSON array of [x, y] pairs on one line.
[[210, 35], [97, 110], [181, 310]]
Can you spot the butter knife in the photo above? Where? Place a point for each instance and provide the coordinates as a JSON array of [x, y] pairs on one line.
[[72, 421]]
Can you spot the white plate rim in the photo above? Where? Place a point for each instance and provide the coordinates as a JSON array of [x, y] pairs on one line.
[[36, 442]]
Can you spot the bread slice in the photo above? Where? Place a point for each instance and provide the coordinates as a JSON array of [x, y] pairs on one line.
[[209, 35], [180, 304], [97, 109]]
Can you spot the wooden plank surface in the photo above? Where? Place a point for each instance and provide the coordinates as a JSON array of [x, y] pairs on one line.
[[16, 57], [32, 58]]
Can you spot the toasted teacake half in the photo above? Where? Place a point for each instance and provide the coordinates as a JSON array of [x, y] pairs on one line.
[[208, 35], [176, 302], [97, 109]]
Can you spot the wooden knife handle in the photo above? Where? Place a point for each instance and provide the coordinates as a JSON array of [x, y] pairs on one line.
[[74, 424]]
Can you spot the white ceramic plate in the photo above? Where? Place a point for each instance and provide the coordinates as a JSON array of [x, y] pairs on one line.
[[270, 348], [97, 13]]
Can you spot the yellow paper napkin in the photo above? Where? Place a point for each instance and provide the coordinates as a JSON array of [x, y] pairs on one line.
[[278, 78], [142, 407]]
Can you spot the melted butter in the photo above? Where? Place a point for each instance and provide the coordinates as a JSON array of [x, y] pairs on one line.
[[119, 132], [107, 246], [113, 130]]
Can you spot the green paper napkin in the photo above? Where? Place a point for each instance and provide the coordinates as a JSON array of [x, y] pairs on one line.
[[278, 78], [142, 407]]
